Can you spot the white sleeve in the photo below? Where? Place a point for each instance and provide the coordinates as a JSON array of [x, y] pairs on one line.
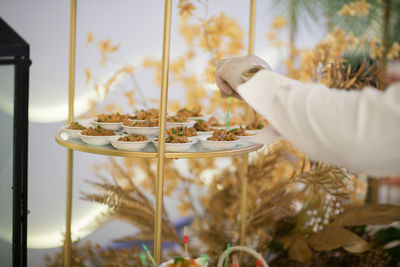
[[359, 130]]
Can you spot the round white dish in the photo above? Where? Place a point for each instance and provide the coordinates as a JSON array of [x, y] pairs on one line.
[[114, 126], [201, 133], [224, 127], [176, 147], [147, 131], [217, 145], [97, 140], [131, 146], [193, 138], [71, 133], [188, 124], [204, 118]]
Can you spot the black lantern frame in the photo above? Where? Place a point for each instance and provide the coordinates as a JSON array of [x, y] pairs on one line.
[[14, 51]]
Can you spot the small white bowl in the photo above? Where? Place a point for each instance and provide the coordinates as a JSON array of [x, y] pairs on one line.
[[71, 133], [129, 145], [201, 133], [193, 138], [204, 118], [217, 145], [114, 126], [224, 127], [176, 147], [188, 124], [147, 131], [97, 140]]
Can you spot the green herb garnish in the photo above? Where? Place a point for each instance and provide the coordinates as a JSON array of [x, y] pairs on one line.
[[260, 126], [178, 260]]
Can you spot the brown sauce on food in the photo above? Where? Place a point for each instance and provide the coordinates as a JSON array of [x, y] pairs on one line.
[[213, 122], [239, 131], [133, 138], [146, 114], [98, 131], [191, 131], [176, 119], [202, 126], [114, 117], [185, 112], [175, 138], [76, 126], [145, 123], [222, 135]]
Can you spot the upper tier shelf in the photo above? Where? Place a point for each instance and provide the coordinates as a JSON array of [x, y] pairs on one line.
[[150, 151]]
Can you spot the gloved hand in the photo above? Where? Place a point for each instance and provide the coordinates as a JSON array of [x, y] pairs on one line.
[[228, 74]]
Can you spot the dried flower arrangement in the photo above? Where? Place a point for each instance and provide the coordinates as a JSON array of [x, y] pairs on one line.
[[300, 213]]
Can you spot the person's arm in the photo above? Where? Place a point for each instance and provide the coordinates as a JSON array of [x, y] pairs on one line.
[[359, 130]]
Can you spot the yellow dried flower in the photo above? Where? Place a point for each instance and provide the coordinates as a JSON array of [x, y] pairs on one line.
[[355, 9], [271, 36], [209, 73], [89, 38], [130, 97], [375, 49], [185, 7], [106, 48], [279, 22], [88, 76], [394, 51]]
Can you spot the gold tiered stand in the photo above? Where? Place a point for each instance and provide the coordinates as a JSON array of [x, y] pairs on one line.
[[150, 151]]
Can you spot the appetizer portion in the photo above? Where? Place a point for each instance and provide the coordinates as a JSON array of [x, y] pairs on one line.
[[222, 135], [176, 142], [213, 122], [76, 126], [133, 138], [97, 136], [186, 131], [98, 131], [202, 126], [177, 118], [185, 112], [240, 132], [133, 142], [142, 114], [111, 118], [177, 138], [141, 123]]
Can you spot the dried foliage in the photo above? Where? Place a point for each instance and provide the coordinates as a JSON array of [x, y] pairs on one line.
[[301, 212]]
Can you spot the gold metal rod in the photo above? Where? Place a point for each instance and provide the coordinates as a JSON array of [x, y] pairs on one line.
[[250, 114], [243, 168], [68, 215], [70, 155], [161, 140], [244, 164], [251, 26], [71, 84]]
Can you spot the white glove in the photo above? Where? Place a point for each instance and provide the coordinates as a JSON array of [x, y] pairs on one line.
[[228, 74]]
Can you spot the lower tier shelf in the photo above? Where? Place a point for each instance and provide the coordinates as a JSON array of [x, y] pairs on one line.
[[150, 151]]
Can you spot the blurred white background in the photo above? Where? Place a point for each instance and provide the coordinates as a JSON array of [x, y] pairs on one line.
[[137, 26]]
